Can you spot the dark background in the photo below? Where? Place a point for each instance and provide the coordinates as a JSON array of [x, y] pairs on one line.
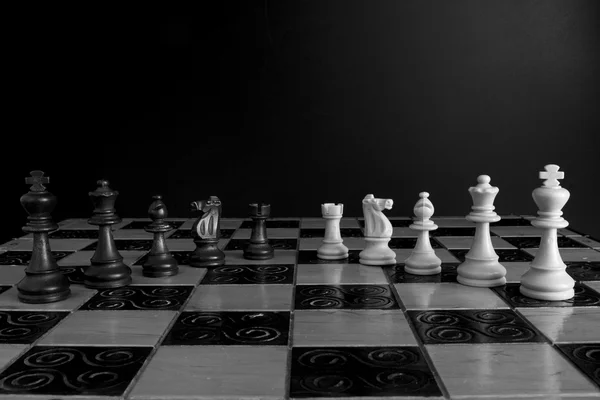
[[303, 102]]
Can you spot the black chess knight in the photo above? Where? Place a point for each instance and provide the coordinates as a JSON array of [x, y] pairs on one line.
[[43, 281], [107, 269], [206, 232], [160, 261]]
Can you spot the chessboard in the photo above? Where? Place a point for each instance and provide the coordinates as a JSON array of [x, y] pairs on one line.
[[295, 326]]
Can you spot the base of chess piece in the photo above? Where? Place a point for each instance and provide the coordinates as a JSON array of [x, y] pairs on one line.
[[258, 251], [332, 251], [547, 285], [107, 275], [160, 265], [207, 254], [377, 252], [36, 288], [423, 264], [481, 273]]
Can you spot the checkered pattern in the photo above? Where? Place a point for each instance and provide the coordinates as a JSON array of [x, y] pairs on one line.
[[299, 327]]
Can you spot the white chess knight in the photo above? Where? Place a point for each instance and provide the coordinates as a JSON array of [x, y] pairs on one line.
[[547, 278], [423, 260], [332, 247], [378, 232], [481, 267]]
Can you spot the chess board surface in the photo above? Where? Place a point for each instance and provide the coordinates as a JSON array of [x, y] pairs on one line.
[[299, 327]]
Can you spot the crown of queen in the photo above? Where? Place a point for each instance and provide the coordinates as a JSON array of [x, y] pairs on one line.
[[483, 195]]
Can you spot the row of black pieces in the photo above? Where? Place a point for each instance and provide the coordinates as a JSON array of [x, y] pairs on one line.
[[43, 281]]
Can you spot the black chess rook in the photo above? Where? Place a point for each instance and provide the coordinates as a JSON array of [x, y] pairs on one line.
[[107, 269], [206, 233], [43, 281], [258, 247], [160, 262]]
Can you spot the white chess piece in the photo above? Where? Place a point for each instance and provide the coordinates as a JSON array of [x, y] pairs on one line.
[[378, 232], [481, 267], [422, 260], [547, 278], [332, 247]]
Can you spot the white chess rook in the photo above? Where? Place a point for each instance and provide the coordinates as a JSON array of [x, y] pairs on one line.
[[547, 278], [332, 247], [481, 267], [378, 232], [423, 260]]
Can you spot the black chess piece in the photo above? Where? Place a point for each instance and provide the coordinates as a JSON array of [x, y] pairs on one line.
[[206, 232], [258, 247], [107, 269], [43, 281], [160, 262]]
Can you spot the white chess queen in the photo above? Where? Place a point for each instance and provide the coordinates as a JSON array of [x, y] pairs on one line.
[[378, 232]]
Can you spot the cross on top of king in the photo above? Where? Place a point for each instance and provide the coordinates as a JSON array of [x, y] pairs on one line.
[[552, 175], [37, 180]]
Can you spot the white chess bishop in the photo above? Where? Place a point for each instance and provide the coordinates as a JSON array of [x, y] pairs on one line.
[[423, 260], [481, 267], [333, 247], [378, 232], [547, 278]]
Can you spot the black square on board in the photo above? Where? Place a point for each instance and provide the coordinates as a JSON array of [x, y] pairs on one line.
[[586, 356], [360, 372], [187, 234], [139, 298], [306, 233], [398, 275], [584, 271], [194, 328], [25, 327], [141, 224], [73, 370], [584, 297], [507, 221], [466, 231], [293, 223], [504, 255], [473, 326], [250, 275], [409, 243], [74, 234], [347, 297], [23, 257], [533, 242]]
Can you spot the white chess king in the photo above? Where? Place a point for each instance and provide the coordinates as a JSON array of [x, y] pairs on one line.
[[481, 267], [547, 278], [378, 232], [422, 260], [333, 247]]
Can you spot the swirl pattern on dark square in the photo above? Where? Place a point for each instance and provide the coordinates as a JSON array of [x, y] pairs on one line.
[[586, 356], [350, 297], [398, 275], [139, 298], [26, 327], [74, 234], [533, 242], [584, 271], [360, 372], [278, 244], [81, 370], [23, 257], [504, 255], [230, 328], [473, 326], [126, 244], [250, 275], [409, 243], [144, 223], [310, 257], [584, 297], [273, 224]]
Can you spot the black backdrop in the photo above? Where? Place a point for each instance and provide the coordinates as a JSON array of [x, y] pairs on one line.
[[303, 102]]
